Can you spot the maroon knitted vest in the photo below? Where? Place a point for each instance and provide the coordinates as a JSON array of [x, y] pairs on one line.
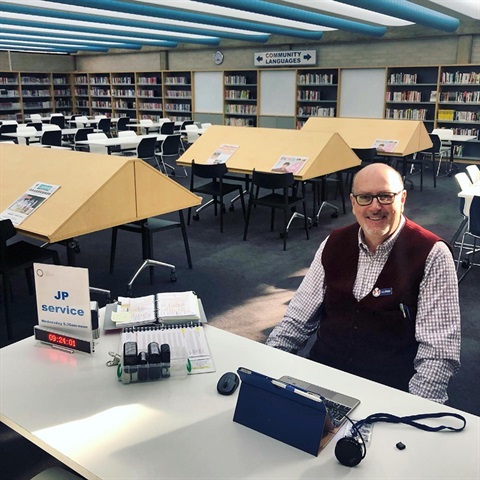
[[372, 338]]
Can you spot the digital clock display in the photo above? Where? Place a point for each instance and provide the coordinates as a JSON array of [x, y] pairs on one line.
[[64, 341]]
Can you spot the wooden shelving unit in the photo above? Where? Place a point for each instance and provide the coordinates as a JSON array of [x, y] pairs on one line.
[[317, 94], [240, 98], [178, 95], [411, 94], [149, 95]]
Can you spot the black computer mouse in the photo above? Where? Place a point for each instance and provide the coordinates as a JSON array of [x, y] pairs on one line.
[[228, 383]]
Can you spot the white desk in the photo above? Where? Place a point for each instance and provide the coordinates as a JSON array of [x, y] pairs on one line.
[[73, 407], [121, 142], [38, 134]]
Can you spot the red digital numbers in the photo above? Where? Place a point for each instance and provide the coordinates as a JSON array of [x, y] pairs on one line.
[[61, 340]]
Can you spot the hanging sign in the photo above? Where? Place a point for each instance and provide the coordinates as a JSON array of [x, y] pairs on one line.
[[282, 58]]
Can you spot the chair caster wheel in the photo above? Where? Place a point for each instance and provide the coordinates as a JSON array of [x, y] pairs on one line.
[[465, 263], [334, 215], [173, 277], [196, 217]]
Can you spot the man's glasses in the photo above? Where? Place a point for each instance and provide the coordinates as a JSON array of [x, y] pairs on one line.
[[364, 199]]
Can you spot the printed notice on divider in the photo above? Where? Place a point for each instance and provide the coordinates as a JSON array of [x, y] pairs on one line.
[[222, 153], [28, 202]]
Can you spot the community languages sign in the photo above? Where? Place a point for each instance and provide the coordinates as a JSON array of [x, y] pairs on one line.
[[295, 58]]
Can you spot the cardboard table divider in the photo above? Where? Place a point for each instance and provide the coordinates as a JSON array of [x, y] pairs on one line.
[[280, 413], [412, 135], [260, 148], [96, 191]]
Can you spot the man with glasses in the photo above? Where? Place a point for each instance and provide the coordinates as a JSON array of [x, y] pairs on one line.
[[382, 295]]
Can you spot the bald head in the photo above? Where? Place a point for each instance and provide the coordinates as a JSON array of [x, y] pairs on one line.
[[377, 174]]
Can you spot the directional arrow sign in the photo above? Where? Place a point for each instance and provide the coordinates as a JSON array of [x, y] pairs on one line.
[[285, 58]]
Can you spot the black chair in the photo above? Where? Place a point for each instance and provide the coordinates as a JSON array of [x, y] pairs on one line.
[[284, 200], [58, 120], [37, 125], [122, 124], [167, 128], [105, 125], [216, 188], [320, 188], [81, 135], [419, 160], [7, 128], [147, 228], [146, 149], [169, 150], [52, 138], [16, 257]]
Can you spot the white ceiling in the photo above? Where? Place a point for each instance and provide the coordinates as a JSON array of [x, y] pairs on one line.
[[70, 26]]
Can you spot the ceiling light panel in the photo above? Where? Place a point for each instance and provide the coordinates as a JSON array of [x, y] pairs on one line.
[[470, 8]]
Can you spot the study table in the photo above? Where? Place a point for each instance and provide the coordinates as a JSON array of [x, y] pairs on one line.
[[121, 190], [111, 142], [73, 407], [38, 134]]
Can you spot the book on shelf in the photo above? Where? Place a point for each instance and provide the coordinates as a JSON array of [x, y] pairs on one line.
[[169, 308]]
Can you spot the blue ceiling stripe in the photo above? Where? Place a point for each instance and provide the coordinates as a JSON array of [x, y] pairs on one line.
[[42, 50], [49, 33], [306, 16], [60, 42], [195, 17], [61, 14], [408, 11], [71, 28]]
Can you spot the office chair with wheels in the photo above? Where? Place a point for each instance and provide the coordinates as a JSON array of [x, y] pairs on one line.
[[217, 188], [97, 148], [192, 135], [169, 150], [105, 125], [147, 228], [57, 119], [284, 200], [52, 138], [146, 149], [82, 134], [167, 128], [473, 231], [474, 173], [419, 160], [320, 186], [463, 183], [7, 128], [15, 258], [122, 124]]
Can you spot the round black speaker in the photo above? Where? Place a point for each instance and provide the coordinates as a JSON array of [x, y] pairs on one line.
[[349, 452]]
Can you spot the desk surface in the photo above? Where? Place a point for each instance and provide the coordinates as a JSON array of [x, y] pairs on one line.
[[73, 407]]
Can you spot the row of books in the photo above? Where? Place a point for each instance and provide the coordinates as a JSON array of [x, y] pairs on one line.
[[177, 81], [104, 80], [467, 116], [406, 114], [445, 114], [178, 93], [308, 95], [407, 96], [241, 109], [460, 77], [460, 97], [236, 80], [403, 78], [240, 95], [239, 122], [316, 79], [151, 105], [178, 107], [122, 104], [316, 112], [149, 80], [122, 80]]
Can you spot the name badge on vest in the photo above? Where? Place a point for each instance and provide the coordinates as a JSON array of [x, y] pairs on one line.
[[382, 292]]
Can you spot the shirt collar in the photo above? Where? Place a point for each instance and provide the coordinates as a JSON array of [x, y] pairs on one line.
[[387, 245]]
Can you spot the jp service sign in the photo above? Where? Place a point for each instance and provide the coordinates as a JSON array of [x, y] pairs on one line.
[[294, 58]]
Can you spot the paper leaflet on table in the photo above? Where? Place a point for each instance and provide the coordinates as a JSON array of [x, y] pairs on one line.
[[28, 202], [287, 163], [222, 153], [385, 145]]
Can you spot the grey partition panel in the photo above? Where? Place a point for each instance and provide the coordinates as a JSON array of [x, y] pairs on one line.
[[276, 122], [362, 92], [277, 92], [208, 88], [213, 118]]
